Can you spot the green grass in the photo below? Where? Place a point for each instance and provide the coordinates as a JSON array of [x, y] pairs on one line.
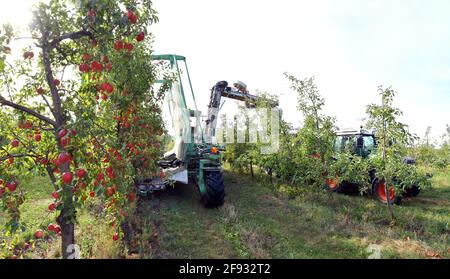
[[259, 220], [34, 215]]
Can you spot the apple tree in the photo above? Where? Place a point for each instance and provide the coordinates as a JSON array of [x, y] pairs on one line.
[[394, 139], [314, 141], [81, 107]]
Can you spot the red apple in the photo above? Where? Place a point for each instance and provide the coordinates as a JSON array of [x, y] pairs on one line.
[[108, 66], [100, 177], [15, 143], [55, 195], [81, 173], [39, 234], [44, 161], [65, 141], [84, 68], [96, 66], [86, 57], [131, 17], [12, 186], [62, 133], [37, 137], [129, 47], [28, 125], [115, 237], [67, 177], [40, 91], [11, 160], [52, 207], [107, 87], [140, 37], [56, 162], [91, 13], [92, 194], [51, 227], [56, 82], [118, 46], [110, 191], [64, 158]]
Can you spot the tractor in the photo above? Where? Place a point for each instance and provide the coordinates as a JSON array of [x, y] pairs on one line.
[[192, 158], [364, 144]]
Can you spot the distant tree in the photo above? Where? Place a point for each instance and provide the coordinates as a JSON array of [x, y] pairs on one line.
[[394, 139], [315, 139]]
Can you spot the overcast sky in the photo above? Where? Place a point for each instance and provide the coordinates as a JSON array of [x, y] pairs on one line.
[[350, 46]]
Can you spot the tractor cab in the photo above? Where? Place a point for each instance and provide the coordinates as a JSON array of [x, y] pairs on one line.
[[361, 143]]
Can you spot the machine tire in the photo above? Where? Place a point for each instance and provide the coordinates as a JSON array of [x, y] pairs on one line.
[[215, 189], [412, 191], [333, 184], [379, 193]]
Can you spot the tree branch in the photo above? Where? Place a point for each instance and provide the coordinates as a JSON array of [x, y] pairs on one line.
[[5, 102], [49, 106], [18, 156], [51, 81], [72, 36]]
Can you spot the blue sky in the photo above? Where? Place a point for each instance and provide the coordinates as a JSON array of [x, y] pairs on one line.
[[350, 46]]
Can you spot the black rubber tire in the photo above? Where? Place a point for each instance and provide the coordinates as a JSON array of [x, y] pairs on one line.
[[215, 190], [412, 191]]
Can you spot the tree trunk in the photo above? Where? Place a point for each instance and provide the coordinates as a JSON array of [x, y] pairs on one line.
[[386, 180], [66, 219], [391, 212], [67, 234], [251, 170], [270, 176]]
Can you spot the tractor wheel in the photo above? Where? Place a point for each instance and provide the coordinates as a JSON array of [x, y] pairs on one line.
[[332, 184], [379, 192], [412, 191], [215, 189]]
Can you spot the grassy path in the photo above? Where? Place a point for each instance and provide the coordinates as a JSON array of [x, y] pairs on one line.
[[259, 222]]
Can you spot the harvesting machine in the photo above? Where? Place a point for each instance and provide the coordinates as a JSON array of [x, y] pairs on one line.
[[193, 157]]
